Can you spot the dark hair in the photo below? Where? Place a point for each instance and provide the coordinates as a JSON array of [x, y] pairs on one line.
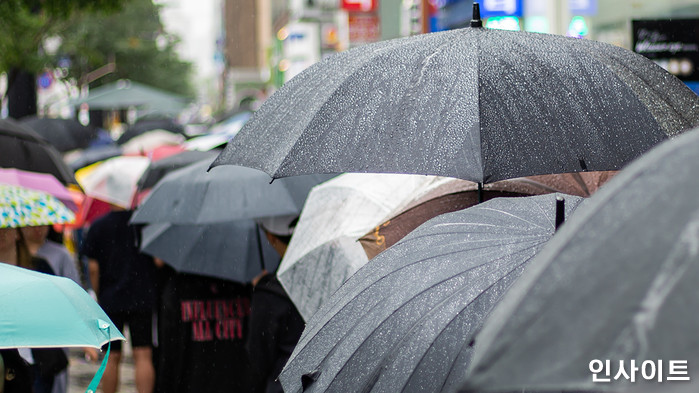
[[24, 257], [286, 239], [22, 382], [54, 235]]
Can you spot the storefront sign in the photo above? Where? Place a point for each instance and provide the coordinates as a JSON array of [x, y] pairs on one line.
[[672, 43]]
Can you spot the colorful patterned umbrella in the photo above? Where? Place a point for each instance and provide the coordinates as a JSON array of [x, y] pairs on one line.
[[22, 207], [44, 182]]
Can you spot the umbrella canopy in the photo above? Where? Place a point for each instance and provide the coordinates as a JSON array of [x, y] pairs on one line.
[[22, 148], [460, 194], [233, 250], [516, 104], [616, 283], [208, 142], [44, 182], [63, 134], [191, 195], [231, 125], [151, 140], [324, 251], [125, 93], [40, 310], [146, 125], [404, 322], [22, 207], [113, 180], [91, 155]]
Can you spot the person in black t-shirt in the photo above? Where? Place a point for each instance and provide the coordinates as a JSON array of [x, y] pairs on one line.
[[203, 326], [275, 323], [124, 280]]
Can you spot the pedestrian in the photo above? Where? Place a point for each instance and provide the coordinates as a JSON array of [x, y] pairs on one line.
[[15, 374], [57, 255], [123, 280], [63, 264], [44, 363], [275, 323], [203, 327]]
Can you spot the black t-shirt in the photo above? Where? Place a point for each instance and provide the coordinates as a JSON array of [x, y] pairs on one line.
[[275, 329], [42, 266], [203, 328], [126, 276]]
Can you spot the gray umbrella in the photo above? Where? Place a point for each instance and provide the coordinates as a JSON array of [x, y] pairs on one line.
[[618, 282], [233, 251], [404, 321], [473, 103], [191, 195]]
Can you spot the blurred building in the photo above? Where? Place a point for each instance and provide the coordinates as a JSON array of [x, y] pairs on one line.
[[270, 41]]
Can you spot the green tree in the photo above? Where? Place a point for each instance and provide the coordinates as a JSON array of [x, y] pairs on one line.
[[134, 40], [25, 25]]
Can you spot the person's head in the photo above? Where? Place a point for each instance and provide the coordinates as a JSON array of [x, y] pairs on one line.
[[278, 231], [15, 372], [13, 249], [35, 236]]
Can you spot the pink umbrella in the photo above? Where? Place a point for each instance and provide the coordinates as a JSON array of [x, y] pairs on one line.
[[40, 182]]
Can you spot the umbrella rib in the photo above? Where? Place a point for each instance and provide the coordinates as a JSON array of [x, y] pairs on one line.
[[516, 217], [470, 268], [639, 78], [522, 240], [417, 323], [452, 320]]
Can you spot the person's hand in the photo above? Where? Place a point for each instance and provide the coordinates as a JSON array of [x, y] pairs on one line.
[[91, 355]]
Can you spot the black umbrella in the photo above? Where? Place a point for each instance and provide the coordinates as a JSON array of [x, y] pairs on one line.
[[191, 195], [617, 283], [63, 134], [473, 103], [231, 250], [22, 148], [143, 126], [404, 321]]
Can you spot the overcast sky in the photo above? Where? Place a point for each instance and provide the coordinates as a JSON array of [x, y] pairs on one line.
[[197, 23]]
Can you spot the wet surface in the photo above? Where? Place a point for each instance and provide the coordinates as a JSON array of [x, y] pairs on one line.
[[81, 372]]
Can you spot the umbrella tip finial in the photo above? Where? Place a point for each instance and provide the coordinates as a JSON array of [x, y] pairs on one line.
[[476, 19], [560, 211]]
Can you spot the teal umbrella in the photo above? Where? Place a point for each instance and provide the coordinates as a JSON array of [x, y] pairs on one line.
[[42, 311]]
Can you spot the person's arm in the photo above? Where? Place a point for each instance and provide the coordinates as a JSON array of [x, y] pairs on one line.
[[93, 268]]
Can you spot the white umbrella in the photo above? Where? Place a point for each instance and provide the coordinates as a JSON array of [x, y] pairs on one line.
[[114, 180], [151, 140], [324, 250]]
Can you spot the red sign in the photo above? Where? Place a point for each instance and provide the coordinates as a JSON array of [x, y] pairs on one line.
[[360, 5]]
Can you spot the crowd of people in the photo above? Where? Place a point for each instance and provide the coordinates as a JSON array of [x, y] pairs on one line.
[[188, 332]]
